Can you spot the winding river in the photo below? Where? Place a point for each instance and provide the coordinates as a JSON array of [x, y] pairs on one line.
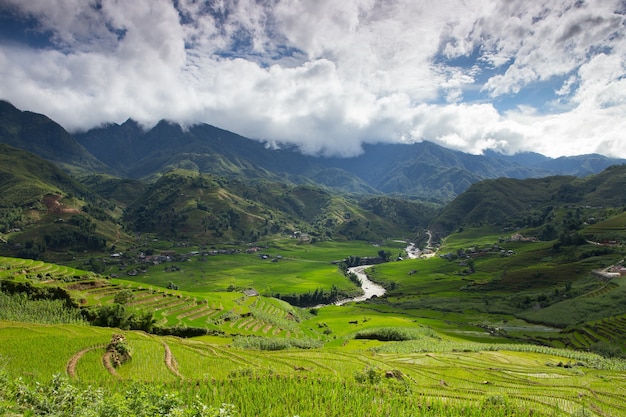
[[369, 288]]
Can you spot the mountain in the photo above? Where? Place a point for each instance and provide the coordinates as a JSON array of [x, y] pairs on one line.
[[428, 170], [203, 148], [423, 169], [579, 165], [529, 202], [120, 191], [43, 208], [38, 134], [45, 213], [185, 204], [25, 179]]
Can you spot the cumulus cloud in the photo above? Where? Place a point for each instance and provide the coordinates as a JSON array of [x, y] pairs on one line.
[[329, 76]]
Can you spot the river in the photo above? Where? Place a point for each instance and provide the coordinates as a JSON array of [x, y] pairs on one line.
[[369, 288]]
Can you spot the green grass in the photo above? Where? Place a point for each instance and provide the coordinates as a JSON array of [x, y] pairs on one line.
[[598, 305], [36, 352], [443, 378], [300, 269], [457, 356]]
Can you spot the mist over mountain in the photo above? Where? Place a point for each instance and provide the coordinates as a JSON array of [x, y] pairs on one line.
[[424, 170], [421, 170]]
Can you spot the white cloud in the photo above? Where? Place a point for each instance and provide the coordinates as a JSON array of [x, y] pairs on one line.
[[329, 75]]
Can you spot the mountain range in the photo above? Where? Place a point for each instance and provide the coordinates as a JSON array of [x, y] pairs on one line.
[[421, 170], [63, 192]]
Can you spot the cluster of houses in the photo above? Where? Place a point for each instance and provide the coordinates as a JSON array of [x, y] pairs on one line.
[[474, 253], [173, 256], [261, 255], [168, 256]]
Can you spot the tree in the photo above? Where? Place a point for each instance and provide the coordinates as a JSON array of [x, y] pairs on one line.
[[124, 297], [384, 254], [114, 315]]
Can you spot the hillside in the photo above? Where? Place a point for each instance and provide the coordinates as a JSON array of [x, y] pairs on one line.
[[138, 154], [423, 169], [38, 134], [48, 214], [45, 209], [517, 203], [189, 205], [420, 170], [25, 179]]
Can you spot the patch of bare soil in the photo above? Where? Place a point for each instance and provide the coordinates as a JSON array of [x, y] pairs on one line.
[[108, 364], [81, 286], [51, 201]]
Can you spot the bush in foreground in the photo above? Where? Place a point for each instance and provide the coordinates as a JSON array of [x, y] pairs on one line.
[[242, 396]]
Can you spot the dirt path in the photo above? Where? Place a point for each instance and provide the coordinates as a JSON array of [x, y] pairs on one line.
[[71, 364], [106, 361], [413, 252], [170, 361]]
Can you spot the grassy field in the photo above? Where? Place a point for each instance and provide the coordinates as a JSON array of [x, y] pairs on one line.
[[474, 330], [382, 378], [289, 267]]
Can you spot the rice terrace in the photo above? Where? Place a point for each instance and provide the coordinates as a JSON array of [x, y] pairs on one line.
[[234, 351]]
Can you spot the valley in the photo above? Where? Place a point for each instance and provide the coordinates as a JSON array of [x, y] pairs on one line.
[[203, 274], [432, 342]]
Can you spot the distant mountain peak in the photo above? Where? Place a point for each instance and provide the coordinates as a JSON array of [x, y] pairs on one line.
[[421, 169]]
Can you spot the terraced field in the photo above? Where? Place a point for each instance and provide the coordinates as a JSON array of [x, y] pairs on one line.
[[392, 378], [216, 371], [15, 267], [231, 312]]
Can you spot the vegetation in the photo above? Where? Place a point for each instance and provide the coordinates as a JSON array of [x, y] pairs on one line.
[[196, 292], [550, 206], [204, 375], [282, 397], [21, 307]]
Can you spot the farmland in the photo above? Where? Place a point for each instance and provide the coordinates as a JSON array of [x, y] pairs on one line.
[[437, 343], [347, 379]]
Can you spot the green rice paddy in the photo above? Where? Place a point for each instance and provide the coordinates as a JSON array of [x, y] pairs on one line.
[[441, 342]]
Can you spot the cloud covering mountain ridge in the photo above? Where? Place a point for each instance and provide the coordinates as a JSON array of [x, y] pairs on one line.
[[328, 77]]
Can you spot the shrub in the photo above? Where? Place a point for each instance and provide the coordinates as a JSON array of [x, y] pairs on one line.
[[396, 334], [607, 350], [124, 297], [60, 398], [268, 343], [369, 375]]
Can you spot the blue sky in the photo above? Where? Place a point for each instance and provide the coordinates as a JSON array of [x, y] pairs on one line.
[[546, 76]]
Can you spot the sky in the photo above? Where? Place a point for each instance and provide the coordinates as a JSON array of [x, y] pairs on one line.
[[327, 76]]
